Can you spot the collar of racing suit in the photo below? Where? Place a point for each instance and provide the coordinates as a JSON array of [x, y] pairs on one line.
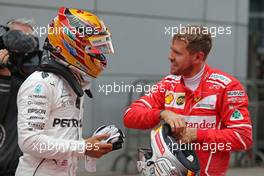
[[197, 92], [50, 65], [193, 82]]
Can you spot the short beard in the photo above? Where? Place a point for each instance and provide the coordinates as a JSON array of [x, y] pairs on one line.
[[185, 71]]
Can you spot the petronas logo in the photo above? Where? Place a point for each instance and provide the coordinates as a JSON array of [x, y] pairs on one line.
[[236, 115]]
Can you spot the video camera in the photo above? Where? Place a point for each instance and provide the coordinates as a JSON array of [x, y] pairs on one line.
[[24, 53]]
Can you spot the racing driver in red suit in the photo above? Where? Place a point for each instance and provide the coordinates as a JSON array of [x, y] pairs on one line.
[[203, 105]]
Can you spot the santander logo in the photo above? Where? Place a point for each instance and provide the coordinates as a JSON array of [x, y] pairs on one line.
[[203, 122]]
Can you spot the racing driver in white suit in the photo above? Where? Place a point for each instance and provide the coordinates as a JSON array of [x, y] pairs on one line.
[[50, 101]]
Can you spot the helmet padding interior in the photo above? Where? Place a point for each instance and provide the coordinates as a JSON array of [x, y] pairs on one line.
[[180, 154]]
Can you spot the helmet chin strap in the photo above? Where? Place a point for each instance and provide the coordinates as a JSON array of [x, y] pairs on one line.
[[50, 65], [77, 76]]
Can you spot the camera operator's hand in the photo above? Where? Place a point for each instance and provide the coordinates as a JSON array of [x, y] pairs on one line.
[[176, 122], [95, 147], [4, 56]]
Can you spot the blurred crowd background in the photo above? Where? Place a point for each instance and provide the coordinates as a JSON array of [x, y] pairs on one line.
[[141, 49]]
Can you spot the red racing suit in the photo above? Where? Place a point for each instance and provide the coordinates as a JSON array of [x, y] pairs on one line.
[[218, 108]]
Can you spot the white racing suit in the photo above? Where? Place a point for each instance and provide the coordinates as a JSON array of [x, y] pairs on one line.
[[49, 126]]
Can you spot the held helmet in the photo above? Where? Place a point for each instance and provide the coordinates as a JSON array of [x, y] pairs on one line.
[[165, 158], [78, 39]]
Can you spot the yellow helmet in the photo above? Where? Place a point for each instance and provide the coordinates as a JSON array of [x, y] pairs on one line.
[[80, 39]]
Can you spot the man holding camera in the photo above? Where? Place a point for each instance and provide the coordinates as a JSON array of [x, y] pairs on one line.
[[18, 49]]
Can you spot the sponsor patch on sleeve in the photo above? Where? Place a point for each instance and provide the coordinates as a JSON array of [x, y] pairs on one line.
[[221, 78], [237, 115], [236, 93]]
